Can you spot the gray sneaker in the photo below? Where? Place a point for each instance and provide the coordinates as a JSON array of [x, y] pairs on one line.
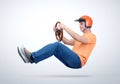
[[26, 56]]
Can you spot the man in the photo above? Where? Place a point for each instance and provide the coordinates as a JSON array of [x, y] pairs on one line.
[[75, 58]]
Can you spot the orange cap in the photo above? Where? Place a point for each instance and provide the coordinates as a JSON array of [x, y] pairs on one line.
[[87, 19]]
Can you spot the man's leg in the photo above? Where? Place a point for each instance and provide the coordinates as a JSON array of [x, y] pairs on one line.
[[67, 56], [63, 53]]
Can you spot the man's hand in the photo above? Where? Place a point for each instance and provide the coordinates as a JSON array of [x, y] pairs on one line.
[[54, 29], [62, 26], [57, 26]]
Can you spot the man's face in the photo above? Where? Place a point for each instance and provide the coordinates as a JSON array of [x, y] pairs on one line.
[[82, 26]]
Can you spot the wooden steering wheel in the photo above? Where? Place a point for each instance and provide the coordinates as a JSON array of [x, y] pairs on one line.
[[58, 32]]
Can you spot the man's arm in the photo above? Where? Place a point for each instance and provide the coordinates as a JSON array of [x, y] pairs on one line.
[[73, 34], [68, 41], [65, 40]]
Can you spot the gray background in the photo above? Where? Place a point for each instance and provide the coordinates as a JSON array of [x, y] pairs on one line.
[[30, 22]]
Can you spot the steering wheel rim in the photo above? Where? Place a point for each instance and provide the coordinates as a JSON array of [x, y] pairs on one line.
[[58, 32]]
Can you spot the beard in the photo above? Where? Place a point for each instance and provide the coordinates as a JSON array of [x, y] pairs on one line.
[[83, 30]]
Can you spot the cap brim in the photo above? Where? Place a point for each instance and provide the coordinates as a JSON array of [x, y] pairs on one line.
[[80, 20], [76, 20]]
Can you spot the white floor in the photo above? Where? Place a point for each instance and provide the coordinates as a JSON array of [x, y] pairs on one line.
[[59, 79]]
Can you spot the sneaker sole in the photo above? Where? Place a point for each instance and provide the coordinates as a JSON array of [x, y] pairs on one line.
[[24, 58]]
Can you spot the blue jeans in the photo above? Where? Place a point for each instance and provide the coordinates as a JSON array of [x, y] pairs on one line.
[[60, 51]]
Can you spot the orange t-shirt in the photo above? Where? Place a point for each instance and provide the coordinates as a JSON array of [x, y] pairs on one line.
[[83, 50]]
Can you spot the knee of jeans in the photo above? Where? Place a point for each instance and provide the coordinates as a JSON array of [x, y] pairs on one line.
[[58, 43]]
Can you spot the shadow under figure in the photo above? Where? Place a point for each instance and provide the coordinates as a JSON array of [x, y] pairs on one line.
[[75, 58]]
